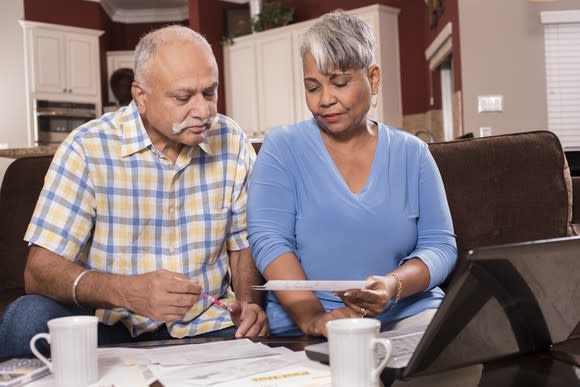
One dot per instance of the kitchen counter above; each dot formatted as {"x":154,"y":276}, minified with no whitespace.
{"x":49,"y":150}
{"x":17,"y":153}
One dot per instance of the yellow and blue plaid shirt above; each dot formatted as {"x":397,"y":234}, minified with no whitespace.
{"x":112,"y":203}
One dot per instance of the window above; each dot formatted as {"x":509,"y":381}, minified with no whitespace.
{"x":562,"y":55}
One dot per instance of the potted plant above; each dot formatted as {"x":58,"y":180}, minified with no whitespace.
{"x":273,"y":14}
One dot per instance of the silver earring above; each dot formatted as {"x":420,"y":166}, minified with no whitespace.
{"x":374,"y":102}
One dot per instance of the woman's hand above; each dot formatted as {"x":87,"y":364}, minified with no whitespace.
{"x":372,"y":300}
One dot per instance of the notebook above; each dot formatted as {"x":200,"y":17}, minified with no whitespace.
{"x":504,"y":300}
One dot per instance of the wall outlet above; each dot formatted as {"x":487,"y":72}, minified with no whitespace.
{"x":485,"y":131}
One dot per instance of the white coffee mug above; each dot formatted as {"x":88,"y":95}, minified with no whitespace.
{"x":73,"y":346}
{"x":352,"y":355}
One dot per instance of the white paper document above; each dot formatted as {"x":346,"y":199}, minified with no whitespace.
{"x":288,"y":369}
{"x":190,"y":354}
{"x":217,"y":373}
{"x":312,"y":285}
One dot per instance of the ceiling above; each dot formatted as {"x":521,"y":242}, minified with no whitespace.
{"x":149,"y":11}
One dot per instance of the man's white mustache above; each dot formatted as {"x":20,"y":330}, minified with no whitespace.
{"x":178,"y":127}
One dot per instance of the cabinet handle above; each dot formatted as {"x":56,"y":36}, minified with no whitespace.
{"x":64,"y":90}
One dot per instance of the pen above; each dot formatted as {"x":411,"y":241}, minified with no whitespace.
{"x":214,"y":300}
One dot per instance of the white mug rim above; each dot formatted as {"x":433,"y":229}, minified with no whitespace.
{"x":72,"y":321}
{"x":353,"y":325}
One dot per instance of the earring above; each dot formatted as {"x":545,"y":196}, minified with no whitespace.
{"x":374,"y":102}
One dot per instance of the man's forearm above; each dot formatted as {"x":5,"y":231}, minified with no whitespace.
{"x":53,"y":276}
{"x":244,"y":275}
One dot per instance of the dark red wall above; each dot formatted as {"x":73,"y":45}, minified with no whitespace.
{"x":415,"y":90}
{"x":450,"y":15}
{"x":207,"y":18}
{"x":124,"y":36}
{"x":76,"y":13}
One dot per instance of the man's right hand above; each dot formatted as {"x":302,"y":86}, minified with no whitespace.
{"x":161,"y":295}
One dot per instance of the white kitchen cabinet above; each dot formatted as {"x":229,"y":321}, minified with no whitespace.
{"x":62,"y":66}
{"x":263,"y":74}
{"x":241,"y":88}
{"x":62,"y":62}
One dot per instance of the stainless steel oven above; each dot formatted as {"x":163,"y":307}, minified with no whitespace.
{"x":55,"y":120}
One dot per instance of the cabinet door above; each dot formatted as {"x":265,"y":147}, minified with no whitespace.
{"x":81,"y":64}
{"x":242,"y":86}
{"x":302,"y":112}
{"x":276,"y":82}
{"x":48,"y":62}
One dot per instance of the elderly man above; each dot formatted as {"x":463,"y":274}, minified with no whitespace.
{"x":142,"y":218}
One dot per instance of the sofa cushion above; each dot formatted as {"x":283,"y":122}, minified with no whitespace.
{"x":505,"y":189}
{"x":21,"y":186}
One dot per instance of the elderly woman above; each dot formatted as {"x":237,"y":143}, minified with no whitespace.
{"x":342,"y":197}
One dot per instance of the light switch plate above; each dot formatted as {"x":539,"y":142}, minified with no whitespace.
{"x":490,"y":103}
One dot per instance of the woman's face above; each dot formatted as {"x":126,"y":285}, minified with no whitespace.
{"x":339,"y":101}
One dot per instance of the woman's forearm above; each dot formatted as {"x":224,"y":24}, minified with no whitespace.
{"x":304,"y":308}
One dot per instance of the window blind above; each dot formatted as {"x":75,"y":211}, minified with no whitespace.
{"x":562,"y":56}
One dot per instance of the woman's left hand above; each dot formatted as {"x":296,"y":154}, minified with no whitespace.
{"x":372,"y":300}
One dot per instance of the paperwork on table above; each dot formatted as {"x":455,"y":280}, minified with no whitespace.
{"x":288,"y":369}
{"x":190,"y":354}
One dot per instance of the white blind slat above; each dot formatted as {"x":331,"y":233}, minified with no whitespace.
{"x":562,"y":55}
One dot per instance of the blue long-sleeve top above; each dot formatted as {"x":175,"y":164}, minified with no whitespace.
{"x":299,"y":202}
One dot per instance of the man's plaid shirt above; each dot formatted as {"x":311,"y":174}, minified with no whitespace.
{"x":112,"y":203}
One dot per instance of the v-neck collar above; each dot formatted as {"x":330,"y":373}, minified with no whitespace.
{"x":377,"y":159}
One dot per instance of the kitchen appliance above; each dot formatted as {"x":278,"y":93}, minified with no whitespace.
{"x":55,"y":119}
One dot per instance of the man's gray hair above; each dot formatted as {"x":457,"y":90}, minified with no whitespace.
{"x":150,"y":43}
{"x":339,"y":40}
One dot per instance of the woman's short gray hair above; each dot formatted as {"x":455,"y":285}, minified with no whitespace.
{"x":150,"y":43}
{"x":339,"y":40}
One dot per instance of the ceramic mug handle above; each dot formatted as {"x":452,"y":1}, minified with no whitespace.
{"x":35,"y":351}
{"x":386,"y":343}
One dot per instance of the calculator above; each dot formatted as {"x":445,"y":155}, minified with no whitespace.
{"x":16,"y":372}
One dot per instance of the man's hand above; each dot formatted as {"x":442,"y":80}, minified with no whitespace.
{"x":249,"y":318}
{"x":161,"y":295}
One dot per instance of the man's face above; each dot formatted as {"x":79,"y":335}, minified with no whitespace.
{"x":179,"y":101}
